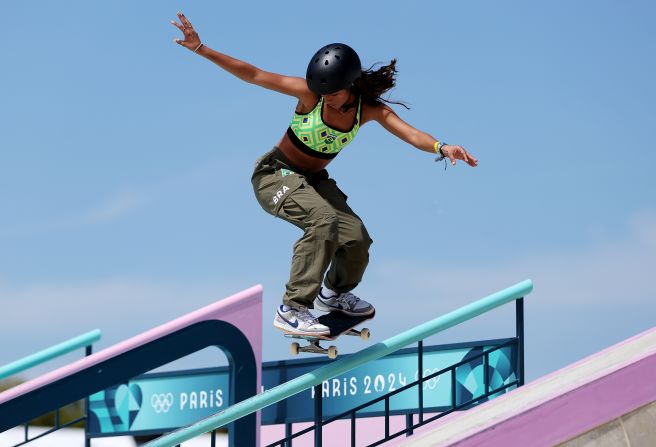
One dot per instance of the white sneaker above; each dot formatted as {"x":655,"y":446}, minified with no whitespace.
{"x":343,"y":302}
{"x":298,"y":321}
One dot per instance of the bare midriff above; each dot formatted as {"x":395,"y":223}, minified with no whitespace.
{"x":300,"y":160}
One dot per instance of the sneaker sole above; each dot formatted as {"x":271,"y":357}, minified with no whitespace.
{"x":286,"y":329}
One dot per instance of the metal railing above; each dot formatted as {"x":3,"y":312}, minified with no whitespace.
{"x":85,"y":341}
{"x":340,"y":366}
{"x":58,"y":426}
{"x":81,"y":341}
{"x":410,"y":427}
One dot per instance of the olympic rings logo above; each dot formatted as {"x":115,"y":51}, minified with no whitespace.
{"x":162,"y":403}
{"x":429,"y":384}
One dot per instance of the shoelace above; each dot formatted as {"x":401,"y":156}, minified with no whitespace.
{"x":349,"y":299}
{"x":304,"y":314}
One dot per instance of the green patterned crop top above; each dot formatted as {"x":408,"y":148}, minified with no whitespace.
{"x":312,"y":136}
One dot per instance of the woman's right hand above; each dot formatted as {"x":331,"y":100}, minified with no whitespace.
{"x":191,"y":40}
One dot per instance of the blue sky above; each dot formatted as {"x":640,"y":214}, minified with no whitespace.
{"x":125,"y":163}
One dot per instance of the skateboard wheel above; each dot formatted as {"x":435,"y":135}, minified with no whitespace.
{"x":364,"y":334}
{"x":332,"y":352}
{"x":295,"y":348}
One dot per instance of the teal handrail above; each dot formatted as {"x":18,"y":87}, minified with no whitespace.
{"x":343,"y":365}
{"x":58,"y":350}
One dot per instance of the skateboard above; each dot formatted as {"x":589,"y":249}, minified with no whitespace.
{"x":339,"y":324}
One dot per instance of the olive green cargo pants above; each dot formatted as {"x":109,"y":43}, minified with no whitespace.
{"x":334,"y":238}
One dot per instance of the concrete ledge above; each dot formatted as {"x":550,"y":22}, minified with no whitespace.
{"x":635,"y":429}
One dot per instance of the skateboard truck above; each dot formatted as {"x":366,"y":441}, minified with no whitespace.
{"x":316,"y":348}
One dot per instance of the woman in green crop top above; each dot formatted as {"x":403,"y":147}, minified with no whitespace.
{"x":335,"y":99}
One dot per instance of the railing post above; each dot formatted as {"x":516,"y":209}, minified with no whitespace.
{"x":454,"y":402}
{"x":486,"y":374}
{"x":519,"y":323}
{"x":420,"y":375}
{"x":318,"y":416}
{"x":288,"y":433}
{"x":387,"y":422}
{"x":87,"y":440}
{"x":408,"y":424}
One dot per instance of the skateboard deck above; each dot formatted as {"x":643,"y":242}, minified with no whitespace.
{"x":339,"y":324}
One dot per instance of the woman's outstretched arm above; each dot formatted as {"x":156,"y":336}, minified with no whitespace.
{"x":289,"y":85}
{"x":417,"y":138}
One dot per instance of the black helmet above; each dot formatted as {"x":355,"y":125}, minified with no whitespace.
{"x":332,"y":68}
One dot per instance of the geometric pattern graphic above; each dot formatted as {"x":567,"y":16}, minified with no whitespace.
{"x":470,"y":377}
{"x":115,"y":409}
{"x":316,"y":135}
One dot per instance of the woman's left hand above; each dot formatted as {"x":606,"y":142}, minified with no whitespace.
{"x":191,"y":40}
{"x":454,"y":153}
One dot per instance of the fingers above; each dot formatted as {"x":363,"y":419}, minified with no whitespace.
{"x":463,"y":155}
{"x":459,"y":153}
{"x":190,"y":35}
{"x":452,"y":153}
{"x":472,"y":161}
{"x":185,"y":22}
{"x":181,"y":28}
{"x":177,"y":25}
{"x":185,"y":25}
{"x":468,"y":158}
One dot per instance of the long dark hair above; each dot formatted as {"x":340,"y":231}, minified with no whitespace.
{"x":372,"y":84}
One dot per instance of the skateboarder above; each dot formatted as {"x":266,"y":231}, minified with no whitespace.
{"x":335,"y":99}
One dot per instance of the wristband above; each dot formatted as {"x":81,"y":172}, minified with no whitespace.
{"x":440,"y":153}
{"x":198,"y":47}
{"x":437,"y":147}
